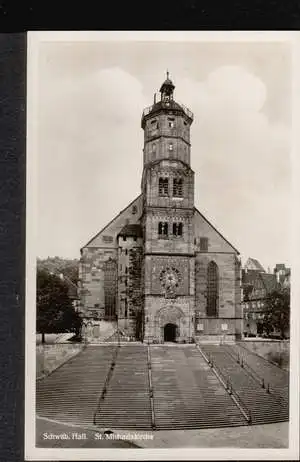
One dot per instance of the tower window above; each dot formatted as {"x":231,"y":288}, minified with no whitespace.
{"x":171,"y":122}
{"x":177,"y":187}
{"x":170,"y":146}
{"x":154,"y":125}
{"x":163,"y":187}
{"x":203,"y":244}
{"x":177,"y":229}
{"x":162,"y":229}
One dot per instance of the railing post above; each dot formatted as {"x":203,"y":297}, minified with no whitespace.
{"x":250,"y":418}
{"x":263,"y":383}
{"x":268,"y":388}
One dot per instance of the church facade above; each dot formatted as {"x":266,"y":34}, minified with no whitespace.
{"x":160,"y":269}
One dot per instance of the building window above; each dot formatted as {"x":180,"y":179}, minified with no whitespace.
{"x":170,"y":146}
{"x":177,"y":229}
{"x":171,"y":122}
{"x":126,"y":251}
{"x":177,"y":187}
{"x":153,"y":147}
{"x":203,"y":244}
{"x":126,"y":308}
{"x":124,"y":238}
{"x":162,"y":229}
{"x":154,"y":124}
{"x":134,"y":210}
{"x":163,"y":187}
{"x":212,"y":289}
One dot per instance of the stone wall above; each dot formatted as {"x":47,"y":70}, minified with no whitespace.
{"x":92,"y":279}
{"x":277,"y":351}
{"x":50,"y":357}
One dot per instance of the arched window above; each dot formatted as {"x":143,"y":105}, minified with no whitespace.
{"x":177,"y":187}
{"x":162,"y":230}
{"x":177,"y":229}
{"x":212,"y":289}
{"x":163,"y":186}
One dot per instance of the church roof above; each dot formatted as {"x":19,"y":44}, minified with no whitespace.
{"x":133,"y":230}
{"x":218,"y":232}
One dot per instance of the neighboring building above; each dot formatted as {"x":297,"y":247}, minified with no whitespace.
{"x":172,"y":275}
{"x":253,"y":265}
{"x":256,"y":285}
{"x":282,"y":274}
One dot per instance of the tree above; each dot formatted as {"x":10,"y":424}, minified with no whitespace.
{"x":55,"y":312}
{"x":277,"y":315}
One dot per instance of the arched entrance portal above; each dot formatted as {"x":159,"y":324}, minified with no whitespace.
{"x":170,"y":332}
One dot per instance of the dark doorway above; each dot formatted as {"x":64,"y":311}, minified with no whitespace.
{"x":170,"y":332}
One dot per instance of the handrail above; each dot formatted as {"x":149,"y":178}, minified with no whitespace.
{"x":237,"y":358}
{"x":228,"y":387}
{"x":107,"y":380}
{"x":269,"y":389}
{"x":186,"y":110}
{"x":151,"y":388}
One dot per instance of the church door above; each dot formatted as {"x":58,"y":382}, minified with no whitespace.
{"x":170,"y":331}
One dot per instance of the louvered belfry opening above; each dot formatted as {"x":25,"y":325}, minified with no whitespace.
{"x":212,"y":289}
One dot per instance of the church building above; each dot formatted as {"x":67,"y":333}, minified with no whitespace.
{"x":160,"y":269}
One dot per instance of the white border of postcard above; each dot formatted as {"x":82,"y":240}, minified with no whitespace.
{"x":39,"y":454}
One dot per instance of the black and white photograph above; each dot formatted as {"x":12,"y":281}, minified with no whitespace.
{"x":160,"y":317}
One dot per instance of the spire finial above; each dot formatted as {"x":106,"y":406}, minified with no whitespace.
{"x":167,"y":74}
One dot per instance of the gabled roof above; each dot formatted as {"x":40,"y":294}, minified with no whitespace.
{"x":255,"y":263}
{"x":218,"y":232}
{"x":111,"y":221}
{"x":133,"y":230}
{"x":269,"y":281}
{"x":249,"y":277}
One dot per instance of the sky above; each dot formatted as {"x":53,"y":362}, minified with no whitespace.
{"x":89,"y":138}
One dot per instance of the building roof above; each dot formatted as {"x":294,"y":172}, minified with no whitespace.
{"x":269,"y":281}
{"x":249,"y":277}
{"x":280,"y":266}
{"x":132,"y":230}
{"x":255,"y":263}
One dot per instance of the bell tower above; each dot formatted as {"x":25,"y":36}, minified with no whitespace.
{"x":167,"y":220}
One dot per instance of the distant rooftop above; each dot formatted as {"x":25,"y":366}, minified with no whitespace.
{"x":253,"y":264}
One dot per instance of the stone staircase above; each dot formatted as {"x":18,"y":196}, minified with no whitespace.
{"x":186,"y":392}
{"x":71,"y":393}
{"x":126,"y":403}
{"x":141,"y":387}
{"x":277,"y":378}
{"x":264,"y":407}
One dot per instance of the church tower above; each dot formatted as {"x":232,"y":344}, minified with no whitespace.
{"x":167,"y":220}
